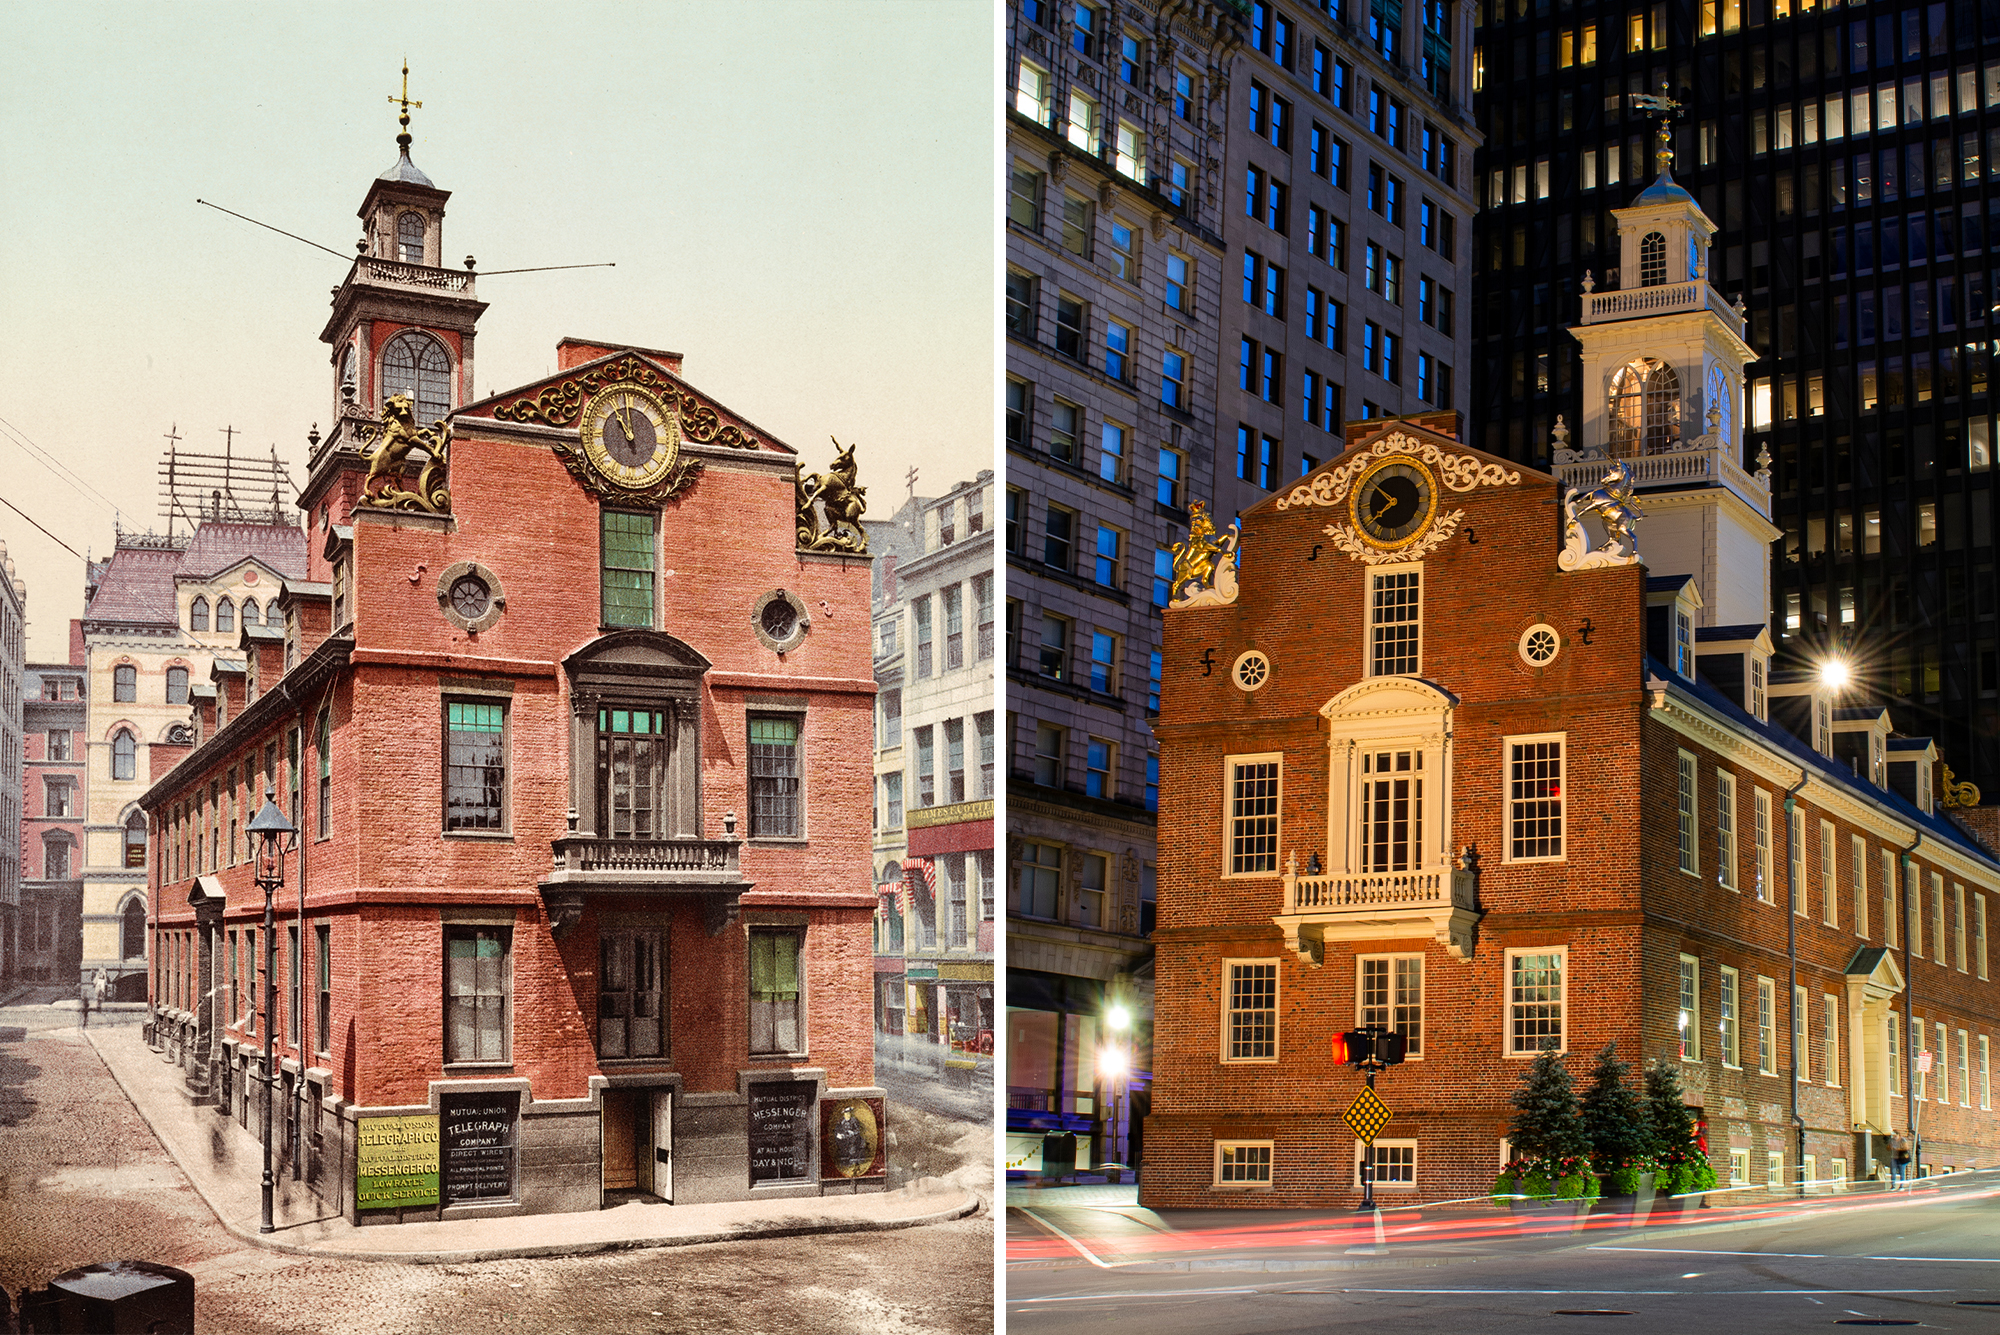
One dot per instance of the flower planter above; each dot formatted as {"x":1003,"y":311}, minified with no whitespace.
{"x":1670,"y":1210}
{"x":1550,"y":1216}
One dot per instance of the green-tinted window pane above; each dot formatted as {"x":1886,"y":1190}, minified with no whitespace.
{"x":774,"y":731}
{"x":628,"y":569}
{"x":475,"y":765}
{"x":466,"y":717}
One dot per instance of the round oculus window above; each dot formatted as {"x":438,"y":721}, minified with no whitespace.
{"x":470,"y":597}
{"x":1252,"y":670}
{"x":780,"y":619}
{"x":1539,"y":645}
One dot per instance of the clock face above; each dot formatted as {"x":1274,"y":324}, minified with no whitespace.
{"x":1393,"y":503}
{"x":630,"y":436}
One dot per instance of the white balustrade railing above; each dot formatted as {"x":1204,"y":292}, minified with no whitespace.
{"x":415,"y":275}
{"x":1426,"y":889}
{"x":1662,"y":299}
{"x":1703,"y":464}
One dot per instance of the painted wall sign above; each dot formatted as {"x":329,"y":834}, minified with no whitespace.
{"x":781,"y":1130}
{"x":850,"y":1138}
{"x":477,"y":1132}
{"x":396,"y":1162}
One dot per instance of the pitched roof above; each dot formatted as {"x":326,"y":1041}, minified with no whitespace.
{"x":218,"y":545}
{"x":138,"y":587}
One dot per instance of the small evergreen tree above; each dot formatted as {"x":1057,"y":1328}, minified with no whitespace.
{"x":1683,"y":1168}
{"x":1545,"y":1124}
{"x":1615,"y":1123}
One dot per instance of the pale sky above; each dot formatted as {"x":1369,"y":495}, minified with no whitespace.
{"x":797,"y":196}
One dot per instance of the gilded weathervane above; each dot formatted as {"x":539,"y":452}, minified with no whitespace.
{"x":837,"y":495}
{"x":393,"y":440}
{"x":1205,"y":565}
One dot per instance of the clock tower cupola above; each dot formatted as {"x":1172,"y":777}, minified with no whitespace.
{"x":402,"y":322}
{"x":1663,"y":359}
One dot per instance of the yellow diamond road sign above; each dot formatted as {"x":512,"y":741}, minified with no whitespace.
{"x":1367,"y":1115}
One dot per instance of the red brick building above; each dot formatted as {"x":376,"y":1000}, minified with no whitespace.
{"x":573,"y":711}
{"x":1430,"y":765}
{"x":54,"y":801}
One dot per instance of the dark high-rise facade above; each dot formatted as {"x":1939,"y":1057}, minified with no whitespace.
{"x":1850,"y":157}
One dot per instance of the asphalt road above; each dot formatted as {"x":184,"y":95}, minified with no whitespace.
{"x":1932,"y":1258}
{"x":82,"y":1179}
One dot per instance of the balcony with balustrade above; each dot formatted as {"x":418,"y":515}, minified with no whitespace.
{"x":621,"y":867}
{"x":1440,"y":902}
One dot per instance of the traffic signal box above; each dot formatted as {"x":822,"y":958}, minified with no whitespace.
{"x":1370,"y":1046}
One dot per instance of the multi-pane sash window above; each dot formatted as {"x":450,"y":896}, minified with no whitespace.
{"x":1889,"y":928}
{"x":1801,"y":1050}
{"x":777,"y":991}
{"x":631,"y":991}
{"x":628,"y":569}
{"x":1767,"y":1027}
{"x":1895,"y":1053}
{"x":323,"y":972}
{"x":1236,"y":1162}
{"x":478,"y":988}
{"x":1391,"y":995}
{"x":1394,"y":1162}
{"x":1857,"y":871}
{"x":1941,"y":1063}
{"x":1036,"y":877}
{"x":634,"y":773}
{"x":1725,"y":829}
{"x":1795,"y":856}
{"x":1688,"y":859}
{"x":1937,"y":918}
{"x":1726,"y":1018}
{"x":983,"y":726}
{"x":954,"y":760}
{"x":475,"y":765}
{"x":920,"y":612}
{"x":1535,"y":799}
{"x":1831,"y":1040}
{"x":954,"y":626}
{"x":1979,"y":935}
{"x":926,"y":765}
{"x":1765,"y":890}
{"x":1395,"y":623}
{"x":1829,"y":867}
{"x":1534,"y":1000}
{"x":982,"y":597}
{"x":775,"y":810}
{"x":1964,"y":1069}
{"x":1958,"y":925}
{"x":1392,"y":810}
{"x":1252,"y":1024}
{"x":1689,"y":1020}
{"x":322,"y":790}
{"x":1253,"y":816}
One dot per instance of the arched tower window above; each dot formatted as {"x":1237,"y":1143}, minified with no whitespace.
{"x":410,"y":238}
{"x":132,"y":931}
{"x":135,"y":839}
{"x":225,"y":614}
{"x":198,"y":614}
{"x":124,"y":756}
{"x":1723,"y":401}
{"x":1652,"y":260}
{"x":251,"y":616}
{"x":177,"y":685}
{"x":1645,"y":409}
{"x":416,"y":364}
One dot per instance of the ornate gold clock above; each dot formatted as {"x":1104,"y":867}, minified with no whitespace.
{"x":1393,"y":503}
{"x":630,"y":438}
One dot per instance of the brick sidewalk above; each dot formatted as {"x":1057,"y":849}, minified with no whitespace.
{"x":224,"y":1163}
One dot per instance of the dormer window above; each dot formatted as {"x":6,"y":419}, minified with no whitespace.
{"x":1924,"y":786}
{"x":410,"y":238}
{"x":416,"y":364}
{"x":1822,"y":708}
{"x":1652,"y":260}
{"x":1683,"y":640}
{"x":1645,"y":409}
{"x":1757,"y":707}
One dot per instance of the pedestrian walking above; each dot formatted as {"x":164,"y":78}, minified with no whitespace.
{"x":1899,"y":1159}
{"x":83,"y":1000}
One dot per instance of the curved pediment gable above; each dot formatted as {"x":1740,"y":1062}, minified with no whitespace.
{"x":636,"y":653}
{"x":558,"y":401}
{"x":1388,"y":697}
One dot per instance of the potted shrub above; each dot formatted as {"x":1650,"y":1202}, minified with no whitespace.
{"x":1683,"y":1172}
{"x":1621,"y":1139}
{"x":1550,"y":1177}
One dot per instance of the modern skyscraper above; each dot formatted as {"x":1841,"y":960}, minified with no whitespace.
{"x":1347,"y":233}
{"x":1116,"y":121}
{"x":1851,"y":161}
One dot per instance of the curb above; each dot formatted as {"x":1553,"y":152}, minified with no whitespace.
{"x":270,"y":1241}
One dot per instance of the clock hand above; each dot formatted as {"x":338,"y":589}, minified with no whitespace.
{"x":625,"y":415}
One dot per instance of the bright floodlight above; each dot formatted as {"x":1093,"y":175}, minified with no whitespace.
{"x":1111,"y":1062}
{"x":1833,"y":674}
{"x":1118,"y":1017}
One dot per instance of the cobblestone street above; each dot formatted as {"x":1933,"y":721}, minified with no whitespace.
{"x":82,"y":1179}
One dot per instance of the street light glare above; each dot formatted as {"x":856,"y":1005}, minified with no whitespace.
{"x":1119,"y":1018}
{"x":1834,"y":674}
{"x":1111,"y":1062}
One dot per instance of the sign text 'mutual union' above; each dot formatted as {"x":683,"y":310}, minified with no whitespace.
{"x":396,"y":1162}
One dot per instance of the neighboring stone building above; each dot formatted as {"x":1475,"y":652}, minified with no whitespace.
{"x":55,"y":794}
{"x":1348,"y":289}
{"x":935,"y":774}
{"x":158,"y":613}
{"x":1115,"y":128}
{"x":1467,"y":766}
{"x":13,"y":758}
{"x":599,"y":616}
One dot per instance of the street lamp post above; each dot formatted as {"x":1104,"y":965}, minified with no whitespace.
{"x":275,"y":837}
{"x":1114,"y":1065}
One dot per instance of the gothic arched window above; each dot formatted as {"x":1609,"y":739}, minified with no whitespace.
{"x":1723,"y":401}
{"x":225,"y":614}
{"x":415,"y":364}
{"x":1645,"y":409}
{"x":135,"y":840}
{"x":1652,"y":260}
{"x":132,"y":931}
{"x":124,"y":756}
{"x":410,"y":238}
{"x":198,"y":614}
{"x":251,"y":616}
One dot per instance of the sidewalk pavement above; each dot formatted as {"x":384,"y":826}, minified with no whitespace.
{"x":224,"y":1164}
{"x":1103,"y":1225}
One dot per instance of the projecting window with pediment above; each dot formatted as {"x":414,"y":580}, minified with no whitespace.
{"x":637,"y":705}
{"x":1392,"y":810}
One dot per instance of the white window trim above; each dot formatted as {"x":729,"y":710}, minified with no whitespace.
{"x":1858,"y":876}
{"x":1801,"y":1035}
{"x":1739,"y":1166}
{"x":1694,"y":1047}
{"x":1795,"y":861}
{"x":1687,"y":804}
{"x":1767,"y":1026}
{"x":1507,"y":745}
{"x":1729,"y":1009}
{"x":1764,"y":834}
{"x":1979,"y":934}
{"x":1277,"y":1012}
{"x":1985,"y":1072}
{"x":1965,"y":1068}
{"x":1397,"y":1142}
{"x":1829,"y":874}
{"x":1507,"y":1001}
{"x":1417,"y":1054}
{"x":1958,"y":926}
{"x":1368,"y":615}
{"x":1254,"y":1184}
{"x":1229,"y":764}
{"x":1832,"y":1017}
{"x":1725,"y":829}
